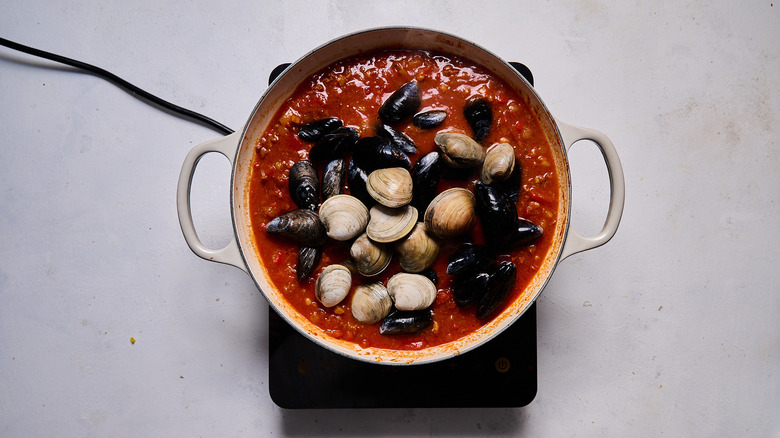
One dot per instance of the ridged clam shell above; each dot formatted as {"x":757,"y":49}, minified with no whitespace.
{"x":451,"y":213}
{"x":391,"y":187}
{"x":418,"y":250}
{"x":333,"y":285}
{"x":344,"y":217}
{"x":499,"y":163}
{"x":370,"y":257}
{"x":459,"y":150}
{"x":411,"y":291}
{"x":390,"y":224}
{"x":370,"y":303}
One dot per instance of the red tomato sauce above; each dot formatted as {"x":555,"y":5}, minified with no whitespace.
{"x":353,"y":90}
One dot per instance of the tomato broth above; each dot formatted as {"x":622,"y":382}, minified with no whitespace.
{"x":353,"y":90}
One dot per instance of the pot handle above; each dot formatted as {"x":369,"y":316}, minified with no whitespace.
{"x":230,"y":254}
{"x":617,"y":188}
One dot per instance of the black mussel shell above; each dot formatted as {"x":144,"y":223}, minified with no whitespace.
{"x":525,"y":233}
{"x":315,"y":130}
{"x":302,"y":226}
{"x":372,"y":153}
{"x":406,"y":322}
{"x":356,"y":178}
{"x":469,"y":258}
{"x":479,"y":115}
{"x":497,"y":214}
{"x":403,"y":103}
{"x":332,"y":178}
{"x":399,"y":139}
{"x":334,"y":144}
{"x":468,"y":288}
{"x":426,"y":174}
{"x":308,"y":257}
{"x":500,"y":284}
{"x":304,"y":185}
{"x":429,"y":119}
{"x":510,"y":187}
{"x":430,"y":273}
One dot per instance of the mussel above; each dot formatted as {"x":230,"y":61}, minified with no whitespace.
{"x":403,"y":103}
{"x":333,"y":285}
{"x":501,"y":282}
{"x":468,"y":258}
{"x":466,"y":289}
{"x":334,"y":144}
{"x":501,"y":226}
{"x":370,"y":257}
{"x":510,"y":187}
{"x":451,"y":213}
{"x":459,"y":150}
{"x":370,"y":303}
{"x":390,"y":224}
{"x":401,"y":322}
{"x":429,"y":119}
{"x":372,"y":153}
{"x":308,"y":257}
{"x":344,"y":217}
{"x":417,"y":251}
{"x":304,"y":185}
{"x":315,"y":130}
{"x":356,"y":178}
{"x":302,"y":226}
{"x":425,"y":179}
{"x":411,"y":291}
{"x":499,"y":163}
{"x":391,"y":187}
{"x":332,"y":178}
{"x":398,"y":138}
{"x":479,"y":115}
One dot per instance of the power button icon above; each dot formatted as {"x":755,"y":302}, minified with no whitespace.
{"x":502,"y":364}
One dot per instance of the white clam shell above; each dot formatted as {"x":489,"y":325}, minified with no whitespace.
{"x":499,"y":163}
{"x":390,"y":224}
{"x":451,"y":213}
{"x":411,"y":291}
{"x":370,"y":257}
{"x":333,"y":285}
{"x":391,"y":187}
{"x":459,"y":150}
{"x":344,"y":217}
{"x":370,"y":303}
{"x":417,"y":251}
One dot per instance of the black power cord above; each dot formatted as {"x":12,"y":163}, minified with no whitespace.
{"x":116,"y":80}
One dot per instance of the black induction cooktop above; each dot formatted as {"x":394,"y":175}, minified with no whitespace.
{"x":499,"y":373}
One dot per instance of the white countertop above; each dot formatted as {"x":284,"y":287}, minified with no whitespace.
{"x":672,"y":328}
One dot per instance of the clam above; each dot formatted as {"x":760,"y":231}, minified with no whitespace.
{"x":479,"y":115}
{"x":451,"y":213}
{"x":411,"y":291}
{"x":343,"y":216}
{"x":308,"y":257}
{"x":315,"y":130}
{"x":333,"y":285}
{"x":459,"y":150}
{"x":332,"y":177}
{"x":403,"y":103}
{"x":304,"y":185}
{"x":391,"y":187}
{"x":390,"y":224}
{"x":499,"y":163}
{"x":370,"y":257}
{"x":429,"y":119}
{"x":418,"y":250}
{"x":302,"y":226}
{"x":406,"y":323}
{"x":370,"y":303}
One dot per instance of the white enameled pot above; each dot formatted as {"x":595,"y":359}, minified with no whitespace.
{"x":239,"y":148}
